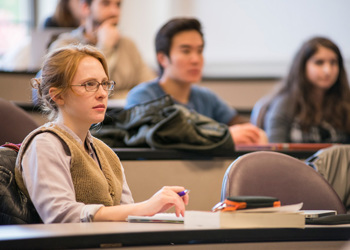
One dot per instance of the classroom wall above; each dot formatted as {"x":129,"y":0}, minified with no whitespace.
{"x":202,"y":177}
{"x":249,"y":43}
{"x":244,"y":38}
{"x":239,"y":93}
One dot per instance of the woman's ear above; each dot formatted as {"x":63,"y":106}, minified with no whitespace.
{"x":56,"y":96}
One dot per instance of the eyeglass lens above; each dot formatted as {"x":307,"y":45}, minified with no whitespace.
{"x":94,"y":85}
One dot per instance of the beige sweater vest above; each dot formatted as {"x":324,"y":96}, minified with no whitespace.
{"x":93,"y":184}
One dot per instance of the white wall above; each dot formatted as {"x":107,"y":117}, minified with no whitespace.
{"x":46,"y":9}
{"x":141,"y":19}
{"x":244,"y":38}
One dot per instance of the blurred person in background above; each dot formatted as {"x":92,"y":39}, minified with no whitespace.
{"x":100,"y":29}
{"x":179,"y":46}
{"x":312,"y":105}
{"x":68,"y":13}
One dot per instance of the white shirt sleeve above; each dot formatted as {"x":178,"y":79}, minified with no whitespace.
{"x":126,"y":193}
{"x":46,"y":174}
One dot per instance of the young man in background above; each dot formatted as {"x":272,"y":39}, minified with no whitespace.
{"x":179,"y":47}
{"x":125,"y":64}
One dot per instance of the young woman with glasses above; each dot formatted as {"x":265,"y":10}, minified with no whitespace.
{"x":69,"y":175}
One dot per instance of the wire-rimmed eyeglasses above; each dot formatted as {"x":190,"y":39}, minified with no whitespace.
{"x":93,"y":85}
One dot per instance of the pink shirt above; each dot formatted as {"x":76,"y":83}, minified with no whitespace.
{"x":46,"y":174}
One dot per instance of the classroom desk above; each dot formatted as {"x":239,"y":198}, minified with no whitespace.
{"x":176,"y":236}
{"x":147,"y":170}
{"x":297,"y":150}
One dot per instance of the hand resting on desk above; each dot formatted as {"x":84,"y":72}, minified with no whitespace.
{"x":247,"y":133}
{"x":161,"y":201}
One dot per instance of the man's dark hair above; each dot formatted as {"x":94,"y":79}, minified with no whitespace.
{"x":170,"y":29}
{"x":88,"y":2}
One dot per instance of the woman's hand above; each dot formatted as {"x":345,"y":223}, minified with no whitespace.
{"x":166,"y":198}
{"x":161,"y":201}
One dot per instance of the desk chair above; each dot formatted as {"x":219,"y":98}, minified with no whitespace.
{"x":15,"y":207}
{"x":15,"y":123}
{"x":333,"y":164}
{"x":275,"y":174}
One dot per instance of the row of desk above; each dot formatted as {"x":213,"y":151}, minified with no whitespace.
{"x":297,"y":150}
{"x":173,"y":236}
{"x":147,"y":170}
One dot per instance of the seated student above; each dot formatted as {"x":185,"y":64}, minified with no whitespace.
{"x":69,"y":175}
{"x":68,"y":13}
{"x":26,"y":55}
{"x":312,"y":105}
{"x":125,"y":63}
{"x":179,"y":47}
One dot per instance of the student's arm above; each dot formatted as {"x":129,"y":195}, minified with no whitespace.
{"x":278,"y":120}
{"x":207,"y":103}
{"x":247,"y":133}
{"x":107,"y":35}
{"x":143,"y":72}
{"x":126,"y":197}
{"x":140,"y":94}
{"x":238,"y":119}
{"x":243,"y":132}
{"x":164,"y":199}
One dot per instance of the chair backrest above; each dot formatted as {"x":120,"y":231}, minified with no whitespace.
{"x":15,"y":123}
{"x":282,"y":176}
{"x":15,"y":207}
{"x":259,"y":110}
{"x":333,"y":164}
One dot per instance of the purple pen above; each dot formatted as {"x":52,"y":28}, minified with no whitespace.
{"x":182,"y":193}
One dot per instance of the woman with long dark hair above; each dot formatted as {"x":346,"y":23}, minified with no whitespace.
{"x":312,"y":105}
